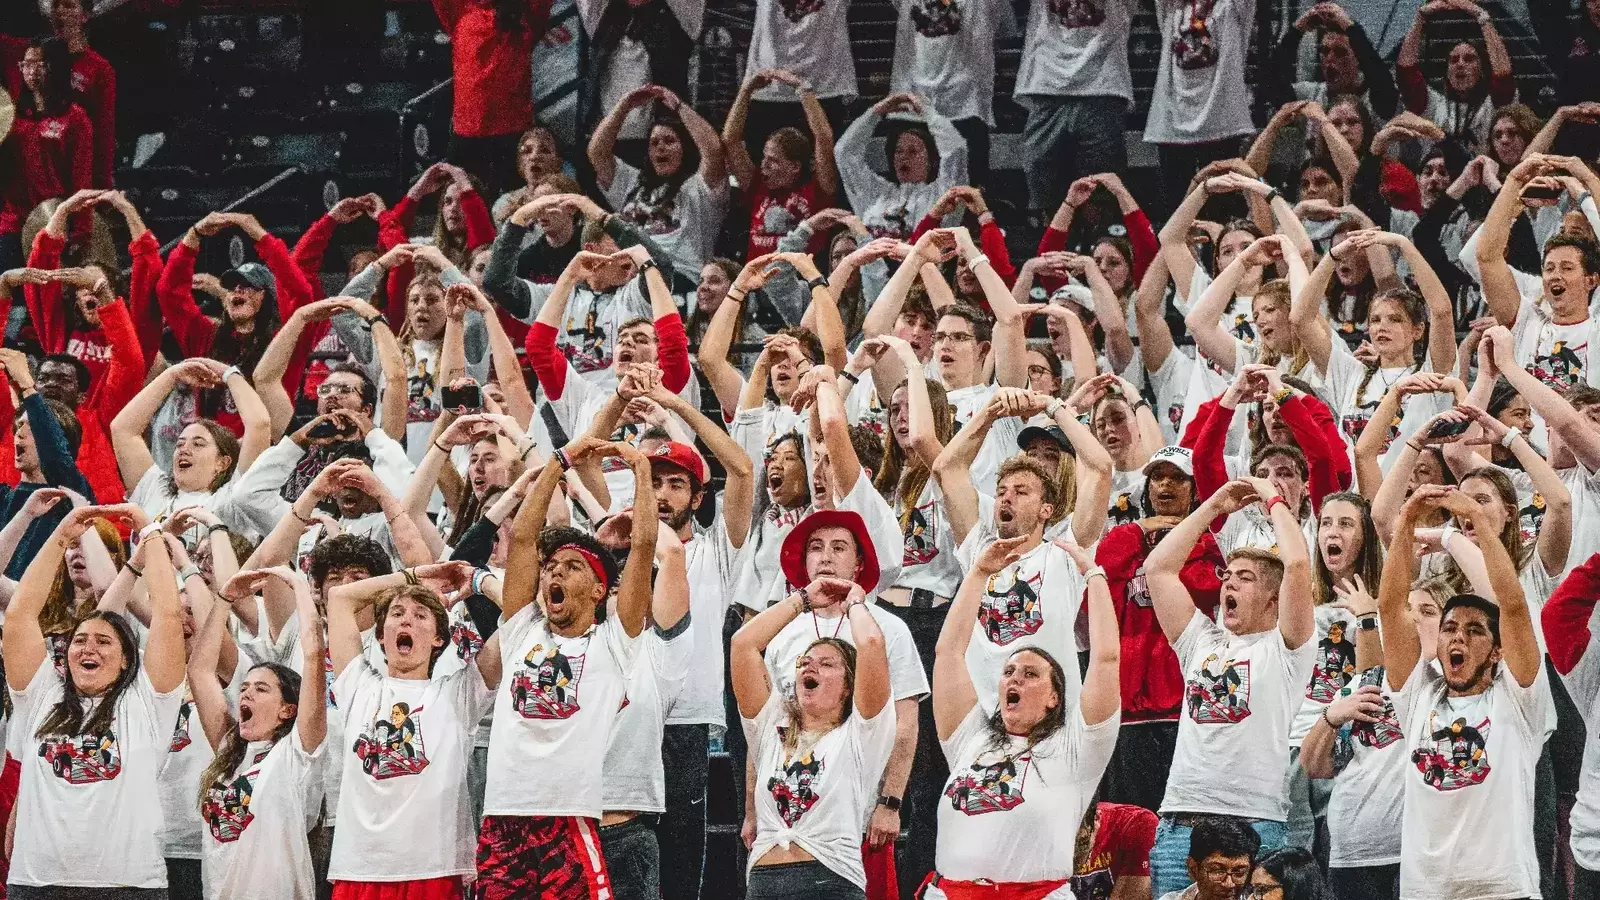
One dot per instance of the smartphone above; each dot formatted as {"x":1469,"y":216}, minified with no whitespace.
{"x":469,"y":397}
{"x":1542,"y":192}
{"x":1449,"y":429}
{"x":327,"y":428}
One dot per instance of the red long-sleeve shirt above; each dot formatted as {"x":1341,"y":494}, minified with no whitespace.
{"x":308,"y":253}
{"x":97,"y":347}
{"x":672,"y":356}
{"x":493,"y":80}
{"x":394,"y":229}
{"x":94,"y":87}
{"x":143,"y":304}
{"x":48,"y":156}
{"x":1152,"y":681}
{"x":1314,"y":432}
{"x":991,"y":241}
{"x":1140,"y":235}
{"x":1567,"y":614}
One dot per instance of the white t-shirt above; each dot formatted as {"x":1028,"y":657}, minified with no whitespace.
{"x":1363,"y":819}
{"x":1033,"y":602}
{"x":404,"y":813}
{"x":1558,"y":355}
{"x":256,"y":822}
{"x":710,"y":559}
{"x":810,"y":38}
{"x":1200,"y":93}
{"x":554,"y":713}
{"x":154,"y":495}
{"x":889,"y":208}
{"x":1333,"y":670}
{"x":684,"y":225}
{"x":588,"y":333}
{"x":1127,"y":490}
{"x":944,"y":50}
{"x":635,"y":780}
{"x":1584,"y":486}
{"x":1076,"y":48}
{"x":188,"y":755}
{"x":1011,"y":813}
{"x":1347,"y":376}
{"x":907,"y":679}
{"x":819,"y":800}
{"x":1241,"y":693}
{"x":929,"y":558}
{"x":998,"y":446}
{"x":96,"y":784}
{"x":1171,"y":385}
{"x":1473,"y":761}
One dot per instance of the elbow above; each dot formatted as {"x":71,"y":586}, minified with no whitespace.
{"x":739,"y":467}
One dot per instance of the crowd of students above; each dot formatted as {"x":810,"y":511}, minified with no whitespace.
{"x":1252,"y":552}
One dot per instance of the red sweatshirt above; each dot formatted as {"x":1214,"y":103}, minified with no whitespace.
{"x":991,"y":240}
{"x":1152,"y":681}
{"x":1140,"y":235}
{"x":123,"y":377}
{"x":1566,"y":617}
{"x":51,"y":156}
{"x":493,"y":79}
{"x":394,"y":229}
{"x":143,"y":304}
{"x":1414,"y":89}
{"x":1314,"y":433}
{"x":548,"y":362}
{"x":94,"y":87}
{"x":308,"y":253}
{"x":47,"y":308}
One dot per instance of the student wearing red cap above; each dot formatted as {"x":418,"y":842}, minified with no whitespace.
{"x":820,"y":748}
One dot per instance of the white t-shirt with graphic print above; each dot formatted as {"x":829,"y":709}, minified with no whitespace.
{"x":1200,"y":94}
{"x":944,"y":50}
{"x":907,"y":679}
{"x":1011,"y":814}
{"x":1333,"y":669}
{"x":684,"y":225}
{"x":818,"y":800}
{"x":1363,"y":819}
{"x":1076,"y":48}
{"x":810,"y":38}
{"x":635,"y":780}
{"x":1472,"y":763}
{"x":1240,"y":697}
{"x":1347,"y":377}
{"x":256,"y":823}
{"x":929,"y":560}
{"x":554,"y":712}
{"x":404,"y":813}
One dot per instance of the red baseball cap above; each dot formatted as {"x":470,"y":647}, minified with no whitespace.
{"x":793,"y":553}
{"x":684,"y":457}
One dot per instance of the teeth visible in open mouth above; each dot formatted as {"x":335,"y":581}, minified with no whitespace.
{"x":403,"y":643}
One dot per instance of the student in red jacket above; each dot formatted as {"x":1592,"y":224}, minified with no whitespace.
{"x":94,"y":83}
{"x":462,"y":226}
{"x":491,"y":43}
{"x":49,"y":152}
{"x":260,"y":296}
{"x":322,"y":344}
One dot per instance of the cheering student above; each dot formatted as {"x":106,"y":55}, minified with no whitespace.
{"x":1022,"y":776}
{"x":266,"y":779}
{"x":96,"y":731}
{"x":820,"y":749}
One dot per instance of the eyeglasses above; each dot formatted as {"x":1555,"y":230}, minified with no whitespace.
{"x":1039,"y":371}
{"x":327,"y":389}
{"x":956,"y":337}
{"x":1215,"y":872}
{"x":1261,"y":892}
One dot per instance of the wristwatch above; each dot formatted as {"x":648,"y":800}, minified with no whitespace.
{"x":888,"y":802}
{"x":1367,"y":623}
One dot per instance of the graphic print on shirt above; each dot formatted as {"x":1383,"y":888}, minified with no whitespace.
{"x":1078,"y":13}
{"x":180,"y":733}
{"x":795,"y":10}
{"x":992,"y":787}
{"x":653,"y":209}
{"x":1530,"y":516}
{"x":1455,"y":755}
{"x":1355,"y":422}
{"x":226,"y":808}
{"x":1219,"y":692}
{"x":1124,"y":508}
{"x":464,"y":635}
{"x":793,"y":786}
{"x":419,"y":394}
{"x":1194,"y":47}
{"x":392,"y":747}
{"x":84,"y":759}
{"x":586,"y":345}
{"x":1335,"y":666}
{"x":936,"y":18}
{"x":546,"y":686}
{"x":922,"y":545}
{"x":1380,"y":734}
{"x":1560,"y":367}
{"x":1010,"y":608}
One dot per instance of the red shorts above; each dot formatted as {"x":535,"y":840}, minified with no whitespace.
{"x":540,"y":858}
{"x":426,"y":889}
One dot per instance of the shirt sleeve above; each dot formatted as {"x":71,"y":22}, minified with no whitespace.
{"x":1134,"y":838}
{"x":175,"y":293}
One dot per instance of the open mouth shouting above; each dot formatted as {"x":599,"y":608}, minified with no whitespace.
{"x":1013,"y":699}
{"x":404,"y":642}
{"x":555,"y":598}
{"x":1333,"y":553}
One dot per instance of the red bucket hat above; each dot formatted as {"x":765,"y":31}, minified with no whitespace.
{"x":684,"y":457}
{"x":793,"y":554}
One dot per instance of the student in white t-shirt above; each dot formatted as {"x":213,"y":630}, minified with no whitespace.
{"x":1245,"y":676}
{"x":1201,"y":106}
{"x":1555,"y":336}
{"x":681,"y":199}
{"x":925,"y":159}
{"x":264,"y":785}
{"x":94,"y":737}
{"x":560,"y":669}
{"x":1474,"y":728}
{"x":821,"y":748}
{"x":1021,"y":776}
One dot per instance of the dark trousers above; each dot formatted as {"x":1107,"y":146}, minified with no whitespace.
{"x":1180,"y":162}
{"x":767,"y":116}
{"x":12,"y":257}
{"x":183,"y":879}
{"x":800,"y":881}
{"x":919,"y":813}
{"x":1365,"y":883}
{"x":976,"y":131}
{"x":321,"y":840}
{"x":681,"y":831}
{"x":492,"y":160}
{"x":1138,"y":770}
{"x":1067,"y":138}
{"x":1585,"y":884}
{"x":633,"y":860}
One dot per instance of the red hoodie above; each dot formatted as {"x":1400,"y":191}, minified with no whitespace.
{"x":1567,"y":615}
{"x":1140,"y":235}
{"x":47,"y":309}
{"x":50,"y":156}
{"x":493,"y":76}
{"x":672,"y":356}
{"x":1315,"y":434}
{"x":394,"y":229}
{"x":1152,"y":681}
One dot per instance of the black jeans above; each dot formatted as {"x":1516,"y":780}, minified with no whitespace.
{"x":800,"y":881}
{"x":1365,"y":883}
{"x":976,"y":131}
{"x":183,"y":879}
{"x":1138,"y":770}
{"x":919,"y":814}
{"x":681,"y":831}
{"x":1585,"y":884}
{"x":633,"y":860}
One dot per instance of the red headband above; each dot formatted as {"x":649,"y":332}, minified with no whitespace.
{"x":589,"y":557}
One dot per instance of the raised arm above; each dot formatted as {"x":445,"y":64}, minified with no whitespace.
{"x":1205,"y":315}
{"x":22,"y":641}
{"x":872,"y":692}
{"x":1101,"y":697}
{"x":1173,"y":604}
{"x":843,"y":463}
{"x":738,"y":491}
{"x":128,"y":428}
{"x":1500,"y":291}
{"x":603,"y":146}
{"x":210,"y":701}
{"x":715,"y":344}
{"x":1306,"y":316}
{"x":740,"y":166}
{"x":1010,"y":341}
{"x":311,"y":717}
{"x":1296,"y":618}
{"x":746,"y":669}
{"x":633,"y":586}
{"x":953,"y":469}
{"x":522,"y":581}
{"x":953,"y":693}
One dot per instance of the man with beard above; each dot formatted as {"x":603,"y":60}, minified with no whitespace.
{"x":1491,"y":677}
{"x":1550,"y":316}
{"x":1250,"y":670}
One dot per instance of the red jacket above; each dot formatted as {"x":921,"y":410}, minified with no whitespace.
{"x":991,"y":240}
{"x":1314,"y":433}
{"x":94,"y":87}
{"x":493,"y":69}
{"x":394,"y":229}
{"x":308,"y":253}
{"x":1152,"y":681}
{"x":1566,"y":616}
{"x":143,"y":304}
{"x":51,"y":156}
{"x":672,"y":355}
{"x":1140,"y":235}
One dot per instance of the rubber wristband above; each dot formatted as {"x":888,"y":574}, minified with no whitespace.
{"x":374,"y":320}
{"x":231,"y":371}
{"x":1510,"y":438}
{"x":1275,"y":501}
{"x":410,"y":576}
{"x":647,"y":265}
{"x":564,"y":459}
{"x":1271,"y":196}
{"x":850,"y":376}
{"x":738,"y":299}
{"x":478,"y":577}
{"x":137,"y":572}
{"x":216,"y":528}
{"x":1094,"y":572}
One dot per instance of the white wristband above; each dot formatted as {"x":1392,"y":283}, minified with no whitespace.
{"x":1445,"y":534}
{"x":980,"y":258}
{"x":152,"y":528}
{"x":1510,"y":438}
{"x":231,"y":371}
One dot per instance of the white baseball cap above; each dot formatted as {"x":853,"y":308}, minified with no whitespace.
{"x":1177,"y":456}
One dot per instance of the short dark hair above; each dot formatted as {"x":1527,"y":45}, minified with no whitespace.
{"x":1588,"y":250}
{"x":1581,"y":395}
{"x":78,"y":368}
{"x":982,"y":331}
{"x":349,"y":551}
{"x":357,"y":450}
{"x":1503,"y":395}
{"x":1473,"y":601}
{"x":1294,"y":453}
{"x":554,"y":538}
{"x":1050,"y":492}
{"x":1223,"y":836}
{"x":869,"y":451}
{"x":369,"y":391}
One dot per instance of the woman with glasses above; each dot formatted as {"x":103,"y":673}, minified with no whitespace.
{"x":1287,"y":874}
